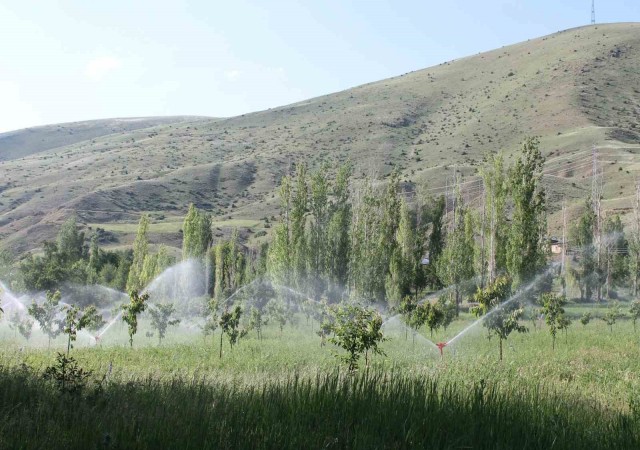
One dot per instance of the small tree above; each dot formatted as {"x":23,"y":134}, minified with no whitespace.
{"x":161,"y":318}
{"x":132,"y":310}
{"x":22,"y":325}
{"x":77,"y":320}
{"x":256,"y":321}
{"x":407,"y":308}
{"x":212,"y":318}
{"x":501,"y":317}
{"x":357,"y":330}
{"x":277,"y":312}
{"x":552,"y":308}
{"x":46,"y":313}
{"x":448,"y":309}
{"x":586,"y":318}
{"x":634,"y":311}
{"x":436,"y":316}
{"x":230,"y":323}
{"x":612,"y":315}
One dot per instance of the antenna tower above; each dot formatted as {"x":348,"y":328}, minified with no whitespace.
{"x":593,"y":12}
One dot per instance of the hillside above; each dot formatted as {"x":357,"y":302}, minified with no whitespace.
{"x":575,"y":89}
{"x":20,"y":143}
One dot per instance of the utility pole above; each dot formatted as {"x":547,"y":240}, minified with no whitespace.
{"x":596,"y":195}
{"x":564,"y":247}
{"x":482,"y":258}
{"x":593,"y":12}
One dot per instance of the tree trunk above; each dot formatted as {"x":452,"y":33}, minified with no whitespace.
{"x":500,"y":340}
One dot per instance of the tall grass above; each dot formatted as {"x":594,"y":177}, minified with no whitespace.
{"x":370,"y":410}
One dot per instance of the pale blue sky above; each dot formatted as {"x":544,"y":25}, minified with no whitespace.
{"x":64,"y":61}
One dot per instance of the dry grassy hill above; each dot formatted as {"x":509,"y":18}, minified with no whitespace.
{"x":575,"y":89}
{"x":20,"y":143}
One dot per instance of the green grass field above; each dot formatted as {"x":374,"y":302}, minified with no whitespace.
{"x":286,"y":391}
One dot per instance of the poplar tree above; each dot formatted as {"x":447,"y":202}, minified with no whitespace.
{"x":367,"y":269}
{"x":455,"y":266}
{"x":402,"y":267}
{"x":140,"y":252}
{"x":339,"y":242}
{"x":279,"y":254}
{"x":436,"y":241}
{"x":299,"y":246}
{"x":318,"y":240}
{"x":196,"y":233}
{"x":495,"y":231}
{"x":526,"y":247}
{"x":585,"y":271}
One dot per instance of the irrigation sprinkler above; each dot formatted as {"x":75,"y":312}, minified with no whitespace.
{"x":440,"y":346}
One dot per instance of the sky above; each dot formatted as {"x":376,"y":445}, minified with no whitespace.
{"x":63,"y":61}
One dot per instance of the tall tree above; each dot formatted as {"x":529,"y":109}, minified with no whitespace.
{"x":299,"y":245}
{"x":279,"y":261}
{"x":436,"y":241}
{"x":455,"y":266}
{"x":584,"y":271}
{"x":318,"y":240}
{"x":196,"y":233}
{"x":494,"y":229}
{"x":526,"y":247}
{"x":403,"y":264}
{"x":367,"y":267}
{"x":339,"y":242}
{"x":140,"y":252}
{"x":70,"y":241}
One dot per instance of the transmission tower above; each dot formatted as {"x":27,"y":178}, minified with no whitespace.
{"x":593,"y":11}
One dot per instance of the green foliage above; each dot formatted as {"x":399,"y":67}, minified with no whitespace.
{"x":586,"y":318}
{"x":230,"y":265}
{"x":455,"y":266}
{"x":501,"y":316}
{"x":585,"y":272}
{"x":614,"y":312}
{"x":526,"y":247}
{"x":46,"y":313}
{"x":277,"y":312}
{"x":67,"y":375}
{"x":135,"y":280}
{"x":552,"y":308}
{"x":496,"y":232}
{"x":130,"y":312}
{"x":196,"y":233}
{"x":357,"y":330}
{"x":77,"y":320}
{"x":230,"y":325}
{"x":211,"y":314}
{"x":23,"y":325}
{"x":256,"y":321}
{"x":161,"y":314}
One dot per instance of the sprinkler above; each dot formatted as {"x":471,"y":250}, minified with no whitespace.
{"x":440,"y":346}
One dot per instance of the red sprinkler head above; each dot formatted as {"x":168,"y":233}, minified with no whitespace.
{"x":440,"y":346}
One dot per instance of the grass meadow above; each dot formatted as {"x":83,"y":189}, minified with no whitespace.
{"x":288,"y":391}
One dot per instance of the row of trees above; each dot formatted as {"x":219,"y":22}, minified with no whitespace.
{"x":368,"y":243}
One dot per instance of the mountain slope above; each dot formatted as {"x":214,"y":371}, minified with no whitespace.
{"x":575,"y":89}
{"x":20,"y":143}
